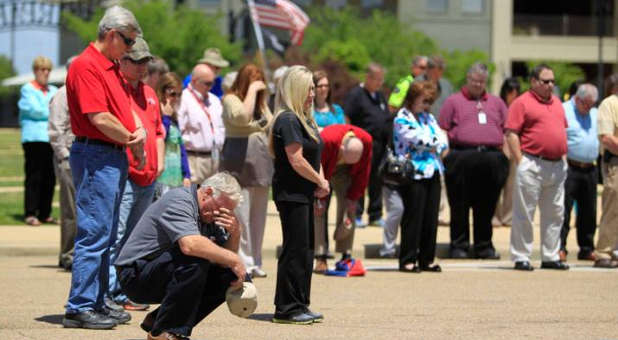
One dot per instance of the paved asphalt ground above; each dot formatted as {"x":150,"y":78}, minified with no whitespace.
{"x":470,"y":299}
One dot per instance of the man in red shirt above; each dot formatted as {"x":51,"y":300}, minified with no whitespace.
{"x":104,"y":125}
{"x":346,"y":162}
{"x":536,"y":135}
{"x":139,"y":189}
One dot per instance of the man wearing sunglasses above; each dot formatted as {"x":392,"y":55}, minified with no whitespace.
{"x":201,"y":125}
{"x":476,"y":167}
{"x":104,"y":126}
{"x":536,"y":134}
{"x":139,"y":188}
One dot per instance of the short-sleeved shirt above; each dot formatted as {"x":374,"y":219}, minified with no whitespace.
{"x":473,"y":122}
{"x":173,"y":216}
{"x":608,"y":116}
{"x":540,"y":125}
{"x":582,"y":136}
{"x":400,"y":91}
{"x":94,"y":84}
{"x":287,"y":184}
{"x":145,"y":103}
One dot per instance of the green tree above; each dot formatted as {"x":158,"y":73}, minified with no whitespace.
{"x":6,"y":67}
{"x":178,"y":35}
{"x":458,"y":62}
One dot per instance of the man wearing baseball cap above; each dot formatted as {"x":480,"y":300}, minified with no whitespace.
{"x":139,"y":189}
{"x":214,"y":60}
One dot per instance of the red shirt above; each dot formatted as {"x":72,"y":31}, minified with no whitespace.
{"x":94,"y":84}
{"x":541,"y":125}
{"x":145,"y":103}
{"x":331,"y":137}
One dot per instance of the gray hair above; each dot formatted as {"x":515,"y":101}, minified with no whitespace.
{"x":118,"y":18}
{"x":223,"y":182}
{"x":436,"y":62}
{"x":418,"y":59}
{"x":478,"y":68}
{"x":587,"y":91}
{"x":157,"y":65}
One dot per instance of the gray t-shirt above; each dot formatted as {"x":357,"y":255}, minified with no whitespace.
{"x":172,"y":217}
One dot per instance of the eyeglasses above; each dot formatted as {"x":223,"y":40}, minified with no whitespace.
{"x":547,"y":81}
{"x":172,"y":93}
{"x":322,"y":86}
{"x":44,"y":69}
{"x":127,"y":41}
{"x":428,"y":102}
{"x":207,"y":83}
{"x":138,"y":62}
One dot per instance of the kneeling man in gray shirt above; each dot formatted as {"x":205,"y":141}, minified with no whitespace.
{"x":183,"y":255}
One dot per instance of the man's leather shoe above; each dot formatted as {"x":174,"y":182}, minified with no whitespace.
{"x":295,"y":319}
{"x":554,"y":265}
{"x":458,"y":254}
{"x":563,"y":255}
{"x":523,"y":265}
{"x":88,"y":319}
{"x":317,"y":317}
{"x":590,"y":256}
{"x":407,"y":269}
{"x":606,"y":263}
{"x":120,"y":316}
{"x":166,"y":336}
{"x":431,"y":268}
{"x":488,"y":254}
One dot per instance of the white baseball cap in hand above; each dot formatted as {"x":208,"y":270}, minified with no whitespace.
{"x":242,"y":301}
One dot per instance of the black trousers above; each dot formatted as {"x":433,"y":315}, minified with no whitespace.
{"x":374,"y":209}
{"x":295,"y":264}
{"x":581,"y":187}
{"x":474,"y":180}
{"x":40,"y":179}
{"x":188,"y":289}
{"x":419,"y":223}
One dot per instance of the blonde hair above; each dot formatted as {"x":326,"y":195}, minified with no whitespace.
{"x":292,"y":92}
{"x":41,"y":62}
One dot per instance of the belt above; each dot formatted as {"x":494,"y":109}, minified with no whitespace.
{"x":199,"y":153}
{"x":480,"y":148}
{"x":93,"y":141}
{"x":580,"y":165}
{"x":543,"y":158}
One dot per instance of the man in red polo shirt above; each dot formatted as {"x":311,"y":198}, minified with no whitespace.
{"x":104,"y":125}
{"x":346,"y":162}
{"x":536,"y":135}
{"x":139,"y":189}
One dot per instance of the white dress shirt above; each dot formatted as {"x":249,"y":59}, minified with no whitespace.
{"x":195,"y":124}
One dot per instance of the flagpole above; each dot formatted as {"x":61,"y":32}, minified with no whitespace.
{"x":259,"y":37}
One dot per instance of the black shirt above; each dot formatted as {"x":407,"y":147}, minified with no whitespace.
{"x":366,"y":111}
{"x":287,"y":184}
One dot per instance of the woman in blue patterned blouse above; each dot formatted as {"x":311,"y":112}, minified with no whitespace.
{"x":418,"y":138}
{"x":325,"y":112}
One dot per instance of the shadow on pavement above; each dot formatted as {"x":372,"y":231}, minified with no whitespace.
{"x":261,"y":317}
{"x":54,"y":319}
{"x":49,"y":266}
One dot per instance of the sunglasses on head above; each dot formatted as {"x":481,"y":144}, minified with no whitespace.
{"x":127,"y":41}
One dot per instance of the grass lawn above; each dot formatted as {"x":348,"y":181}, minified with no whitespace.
{"x":12,"y":208}
{"x":11,"y":154}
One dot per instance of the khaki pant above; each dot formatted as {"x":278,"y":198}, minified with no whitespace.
{"x":251,"y":215}
{"x":504,"y":208}
{"x":68,"y":222}
{"x":608,"y":229}
{"x":340,"y":182}
{"x":202,"y":167}
{"x":538,"y":182}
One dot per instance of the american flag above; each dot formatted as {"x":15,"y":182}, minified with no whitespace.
{"x":280,"y":14}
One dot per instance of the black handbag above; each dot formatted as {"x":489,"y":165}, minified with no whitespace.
{"x":395,"y":171}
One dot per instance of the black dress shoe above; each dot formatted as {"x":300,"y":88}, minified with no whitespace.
{"x":487,"y":254}
{"x":120,"y":316}
{"x":456,"y":253}
{"x":88,"y":319}
{"x":414,"y":269}
{"x":294,"y":319}
{"x":317,"y":317}
{"x":432,"y":268}
{"x":554,"y":265}
{"x":523,"y":265}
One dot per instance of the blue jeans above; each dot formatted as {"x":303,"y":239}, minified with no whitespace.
{"x":135,"y":200}
{"x":99,"y":174}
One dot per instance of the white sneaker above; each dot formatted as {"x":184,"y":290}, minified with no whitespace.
{"x":258,"y":272}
